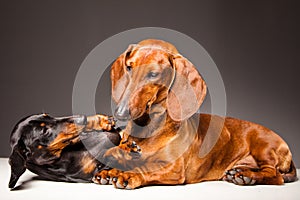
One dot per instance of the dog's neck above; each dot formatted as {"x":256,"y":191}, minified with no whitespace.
{"x":163,"y":126}
{"x":158,"y":121}
{"x":173,"y":136}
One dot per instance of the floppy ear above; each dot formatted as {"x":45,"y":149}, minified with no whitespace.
{"x":188,"y":89}
{"x":17,"y":163}
{"x":117,"y":74}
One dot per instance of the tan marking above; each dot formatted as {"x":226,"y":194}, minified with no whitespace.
{"x":42,"y":124}
{"x":65,"y":138}
{"x":99,"y":122}
{"x":88,"y":165}
{"x":40,"y":147}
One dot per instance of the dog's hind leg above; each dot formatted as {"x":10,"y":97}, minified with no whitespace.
{"x":271,"y":159}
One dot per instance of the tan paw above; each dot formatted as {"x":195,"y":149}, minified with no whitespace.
{"x":127,"y":180}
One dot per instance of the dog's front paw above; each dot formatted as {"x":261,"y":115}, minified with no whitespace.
{"x":100,"y":122}
{"x":135,"y":150}
{"x":127,"y":180}
{"x":238,"y":176}
{"x":106,"y":122}
{"x":120,"y":179}
{"x":130,"y":150}
{"x":104,"y":177}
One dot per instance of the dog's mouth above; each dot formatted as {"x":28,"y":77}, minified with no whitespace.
{"x":151,"y":111}
{"x":141,"y":117}
{"x":143,"y":120}
{"x":146,"y":125}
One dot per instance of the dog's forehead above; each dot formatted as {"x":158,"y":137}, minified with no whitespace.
{"x":158,"y":44}
{"x":40,"y":118}
{"x":23,"y":126}
{"x":148,"y":56}
{"x":28,"y":126}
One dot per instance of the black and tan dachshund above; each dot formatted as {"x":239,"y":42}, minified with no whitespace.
{"x":61,"y":149}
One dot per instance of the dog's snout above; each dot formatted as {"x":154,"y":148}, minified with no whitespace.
{"x":79,"y":119}
{"x":122,"y":113}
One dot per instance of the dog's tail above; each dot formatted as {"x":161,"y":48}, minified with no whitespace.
{"x":291,"y":175}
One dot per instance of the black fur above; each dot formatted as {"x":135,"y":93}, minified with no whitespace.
{"x":29,"y":141}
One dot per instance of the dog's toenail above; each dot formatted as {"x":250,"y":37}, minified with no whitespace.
{"x":125,"y":183}
{"x":114,"y":179}
{"x":133,"y":144}
{"x":247,"y":180}
{"x":232,"y":172}
{"x":103,"y":181}
{"x":239,"y":181}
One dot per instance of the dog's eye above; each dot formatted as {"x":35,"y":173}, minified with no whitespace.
{"x":129,"y":68}
{"x":152,"y":75}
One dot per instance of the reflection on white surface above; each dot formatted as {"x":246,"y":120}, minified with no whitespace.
{"x":29,"y":187}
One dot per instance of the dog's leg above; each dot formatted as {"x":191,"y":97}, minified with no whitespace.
{"x":243,"y":175}
{"x":170,"y":174}
{"x":271,"y":158}
{"x":118,"y":156}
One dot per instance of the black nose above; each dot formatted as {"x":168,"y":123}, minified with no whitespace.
{"x":79,"y":119}
{"x":122,"y":113}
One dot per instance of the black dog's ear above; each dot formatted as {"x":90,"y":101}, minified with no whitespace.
{"x":17,"y":163}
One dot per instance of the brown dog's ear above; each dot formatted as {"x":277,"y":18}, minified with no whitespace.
{"x":187,"y":91}
{"x":17,"y":163}
{"x":117,"y":74}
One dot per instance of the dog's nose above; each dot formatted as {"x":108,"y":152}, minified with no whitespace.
{"x":79,"y":119}
{"x":122,"y":113}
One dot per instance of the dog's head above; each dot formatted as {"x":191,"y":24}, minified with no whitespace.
{"x":153,"y":77}
{"x":40,"y":140}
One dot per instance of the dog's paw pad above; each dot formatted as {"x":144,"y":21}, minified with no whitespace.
{"x":236,"y":176}
{"x":106,"y":122}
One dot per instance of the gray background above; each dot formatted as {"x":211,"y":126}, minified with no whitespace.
{"x":255,"y":45}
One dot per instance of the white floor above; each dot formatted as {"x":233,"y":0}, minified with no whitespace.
{"x":31,"y":189}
